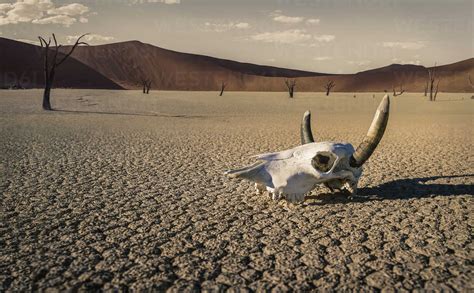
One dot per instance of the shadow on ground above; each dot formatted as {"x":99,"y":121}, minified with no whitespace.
{"x":399,"y":189}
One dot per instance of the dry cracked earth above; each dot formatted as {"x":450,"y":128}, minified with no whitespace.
{"x":119,"y":190}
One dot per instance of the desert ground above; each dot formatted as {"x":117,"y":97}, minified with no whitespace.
{"x":120,"y":190}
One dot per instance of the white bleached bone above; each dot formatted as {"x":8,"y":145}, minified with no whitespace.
{"x":290,"y":174}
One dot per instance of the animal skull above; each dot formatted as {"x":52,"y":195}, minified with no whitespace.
{"x":292,"y":173}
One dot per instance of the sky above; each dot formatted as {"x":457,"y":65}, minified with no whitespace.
{"x":344,"y":36}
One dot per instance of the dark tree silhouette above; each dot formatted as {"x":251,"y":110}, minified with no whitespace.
{"x":400,"y":92}
{"x":431,"y":83}
{"x":146,"y":85}
{"x":223,"y":85}
{"x":51,"y":63}
{"x":291,"y":84}
{"x":328,"y":86}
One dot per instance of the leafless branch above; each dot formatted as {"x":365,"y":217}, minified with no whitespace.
{"x":78,"y":43}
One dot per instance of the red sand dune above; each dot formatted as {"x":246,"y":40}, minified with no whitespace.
{"x":125,"y":64}
{"x":21,"y":63}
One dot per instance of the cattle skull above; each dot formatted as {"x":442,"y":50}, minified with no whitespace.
{"x":292,"y":173}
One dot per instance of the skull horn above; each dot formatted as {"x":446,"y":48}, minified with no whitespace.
{"x":374,"y":135}
{"x":305,"y":131}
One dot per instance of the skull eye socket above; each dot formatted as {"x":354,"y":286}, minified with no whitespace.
{"x":323,"y":161}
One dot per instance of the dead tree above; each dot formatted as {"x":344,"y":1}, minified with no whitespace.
{"x":291,"y":84}
{"x":223,"y":85}
{"x":436,"y":90}
{"x":51,"y":63}
{"x":431,"y":83}
{"x":400,"y":92}
{"x":146,"y":85}
{"x":426,"y":88}
{"x":329,"y":85}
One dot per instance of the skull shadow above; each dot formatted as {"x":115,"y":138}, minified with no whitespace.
{"x":398,"y":189}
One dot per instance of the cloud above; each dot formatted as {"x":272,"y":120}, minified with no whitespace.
{"x":92,"y":39}
{"x":242,"y":25}
{"x":70,"y":10}
{"x":223,"y":27}
{"x":279,"y":17}
{"x":313,"y":21}
{"x":288,"y":19}
{"x":293,"y":36}
{"x":322,"y":58}
{"x":359,"y":62}
{"x":413,"y":62}
{"x":41,"y":12}
{"x":404,"y":45}
{"x":283,"y":37}
{"x":325,"y":38}
{"x":65,"y":20}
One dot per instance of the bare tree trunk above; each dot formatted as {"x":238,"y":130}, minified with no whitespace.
{"x":436,"y":91}
{"x":148,"y":87}
{"x":431,"y":81}
{"x":399,"y":93}
{"x":46,"y":97}
{"x":291,"y":87}
{"x":431,"y":90}
{"x":329,"y":85}
{"x":223,"y":85}
{"x":51,"y":65}
{"x":47,"y":91}
{"x":426,"y":88}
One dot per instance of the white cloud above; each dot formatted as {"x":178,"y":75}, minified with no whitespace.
{"x":404,"y":45}
{"x":283,"y":37}
{"x":279,"y":17}
{"x":413,"y":62}
{"x":40,"y":12}
{"x":4,"y":7}
{"x":359,"y":62}
{"x":242,"y":25}
{"x":288,"y":19}
{"x":65,"y":20}
{"x":70,"y":10}
{"x":313,"y":21}
{"x":92,"y":39}
{"x":322,"y":58}
{"x":293,"y":36}
{"x":325,"y":38}
{"x":223,"y":27}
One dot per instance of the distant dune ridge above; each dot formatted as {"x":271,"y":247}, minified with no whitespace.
{"x":123,"y":65}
